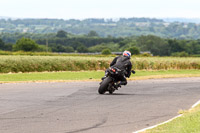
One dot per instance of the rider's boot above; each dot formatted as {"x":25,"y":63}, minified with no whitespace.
{"x":117,"y":85}
{"x":103,"y":77}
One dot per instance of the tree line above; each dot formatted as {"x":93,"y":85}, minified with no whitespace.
{"x":63,"y":41}
{"x":123,"y":27}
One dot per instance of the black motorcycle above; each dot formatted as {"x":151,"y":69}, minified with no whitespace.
{"x":111,"y":80}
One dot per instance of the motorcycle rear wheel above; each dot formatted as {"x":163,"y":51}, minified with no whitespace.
{"x":104,"y":85}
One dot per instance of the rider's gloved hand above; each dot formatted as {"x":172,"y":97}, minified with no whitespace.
{"x":133,"y":71}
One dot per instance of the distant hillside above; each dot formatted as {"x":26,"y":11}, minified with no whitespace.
{"x":105,"y":27}
{"x":183,"y":20}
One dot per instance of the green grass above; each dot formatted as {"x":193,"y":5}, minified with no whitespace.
{"x":87,"y":75}
{"x":188,"y":123}
{"x":92,"y":75}
{"x":167,"y":72}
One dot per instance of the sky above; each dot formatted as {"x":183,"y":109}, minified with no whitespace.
{"x":82,"y":9}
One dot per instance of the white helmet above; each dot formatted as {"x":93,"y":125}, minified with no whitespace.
{"x":127,"y":54}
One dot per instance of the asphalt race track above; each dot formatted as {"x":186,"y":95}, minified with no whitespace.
{"x":78,"y":108}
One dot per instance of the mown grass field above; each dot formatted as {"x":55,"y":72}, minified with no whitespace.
{"x":91,"y":75}
{"x":17,"y":63}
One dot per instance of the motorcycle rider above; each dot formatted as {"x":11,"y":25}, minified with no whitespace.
{"x":123,"y":63}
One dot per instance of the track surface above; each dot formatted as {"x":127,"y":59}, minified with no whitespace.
{"x":76,"y":107}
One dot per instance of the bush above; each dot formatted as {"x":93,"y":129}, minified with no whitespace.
{"x":25,"y":44}
{"x":134,"y":50}
{"x":106,"y":52}
{"x":97,"y":48}
{"x":82,"y":49}
{"x":180,"y":54}
{"x":146,"y":55}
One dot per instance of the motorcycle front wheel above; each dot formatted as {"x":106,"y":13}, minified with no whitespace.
{"x":104,"y":85}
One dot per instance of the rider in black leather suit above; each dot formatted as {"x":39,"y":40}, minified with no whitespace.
{"x":124,"y":64}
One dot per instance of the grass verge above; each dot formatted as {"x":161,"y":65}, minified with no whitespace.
{"x":91,"y":75}
{"x":187,"y":123}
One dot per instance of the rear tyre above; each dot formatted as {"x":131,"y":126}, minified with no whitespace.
{"x":104,"y":85}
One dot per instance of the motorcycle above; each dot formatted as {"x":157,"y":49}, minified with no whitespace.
{"x":111,"y":80}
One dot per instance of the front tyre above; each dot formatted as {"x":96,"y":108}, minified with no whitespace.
{"x":104,"y":85}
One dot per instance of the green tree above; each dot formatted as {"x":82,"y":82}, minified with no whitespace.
{"x":82,"y":49}
{"x":106,"y":52}
{"x":25,"y":44}
{"x":114,"y":47}
{"x":97,"y":48}
{"x":2,"y":44}
{"x":75,"y":44}
{"x":176,"y":45}
{"x":61,"y":34}
{"x":131,"y":43}
{"x":154,"y":44}
{"x":134,"y":50}
{"x":69,"y":49}
{"x":61,"y":48}
{"x":93,"y":33}
{"x":180,"y":54}
{"x":43,"y":48}
{"x":8,"y":47}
